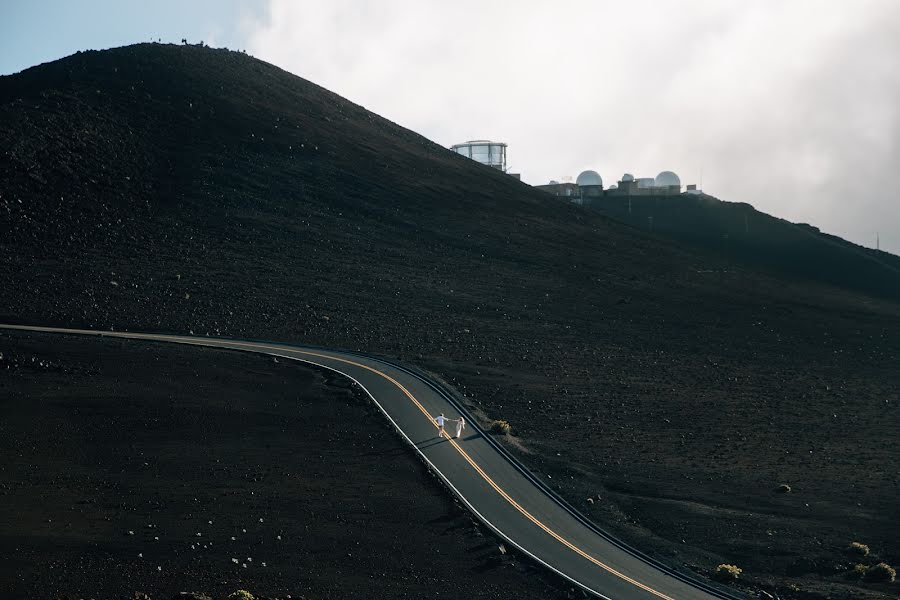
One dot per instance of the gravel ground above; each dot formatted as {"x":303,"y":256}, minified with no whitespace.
{"x":156,"y":468}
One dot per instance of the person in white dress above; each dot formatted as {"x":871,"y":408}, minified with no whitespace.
{"x":460,"y":425}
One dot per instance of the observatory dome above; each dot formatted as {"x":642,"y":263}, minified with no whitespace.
{"x":627,"y":177}
{"x":554,"y":182}
{"x":667,"y":178}
{"x":589,"y":178}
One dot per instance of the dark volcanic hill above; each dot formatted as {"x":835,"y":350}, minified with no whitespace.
{"x":740,"y":232}
{"x":186,"y":189}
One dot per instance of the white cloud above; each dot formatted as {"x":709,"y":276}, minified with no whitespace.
{"x":791,"y":105}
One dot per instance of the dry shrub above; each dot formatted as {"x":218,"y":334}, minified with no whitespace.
{"x":240,"y":595}
{"x":881,"y":572}
{"x":500,"y":426}
{"x":783,"y":489}
{"x":728,"y":572}
{"x":859,"y":569}
{"x":858,"y":548}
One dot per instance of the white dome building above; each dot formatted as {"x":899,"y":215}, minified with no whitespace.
{"x":627,"y":177}
{"x":589,"y":178}
{"x":667,"y":178}
{"x":590,"y":184}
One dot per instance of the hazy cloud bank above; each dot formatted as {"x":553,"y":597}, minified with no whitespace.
{"x":789,"y":105}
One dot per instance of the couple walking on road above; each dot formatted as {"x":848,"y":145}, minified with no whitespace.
{"x":441,"y":420}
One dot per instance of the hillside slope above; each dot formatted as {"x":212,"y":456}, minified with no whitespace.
{"x":91,"y":449}
{"x":187,"y":189}
{"x":738,"y":231}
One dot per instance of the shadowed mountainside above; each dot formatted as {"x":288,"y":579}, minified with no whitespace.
{"x":185,"y":189}
{"x":739,"y":231}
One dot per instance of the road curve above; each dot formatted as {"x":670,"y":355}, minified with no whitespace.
{"x":501,"y":493}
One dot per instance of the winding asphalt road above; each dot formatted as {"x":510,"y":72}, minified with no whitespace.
{"x":502,"y":494}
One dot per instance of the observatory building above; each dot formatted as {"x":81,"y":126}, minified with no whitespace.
{"x":492,"y":154}
{"x":667,"y":179}
{"x":589,"y":185}
{"x":666,"y":183}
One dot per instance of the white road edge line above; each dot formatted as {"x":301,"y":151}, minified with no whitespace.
{"x":431,"y":465}
{"x":212,"y":343}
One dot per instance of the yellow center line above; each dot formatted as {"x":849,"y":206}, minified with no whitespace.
{"x":415,"y":401}
{"x":484,"y":475}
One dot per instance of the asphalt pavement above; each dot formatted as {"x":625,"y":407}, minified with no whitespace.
{"x":499,"y":492}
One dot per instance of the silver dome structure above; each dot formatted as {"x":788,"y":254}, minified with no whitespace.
{"x":627,"y":177}
{"x":588,"y":178}
{"x":667,"y":178}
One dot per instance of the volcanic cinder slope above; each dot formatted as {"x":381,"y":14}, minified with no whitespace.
{"x":740,"y":232}
{"x":294,"y":484}
{"x":186,"y":189}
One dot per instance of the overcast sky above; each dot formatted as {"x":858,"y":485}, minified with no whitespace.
{"x":790,"y":105}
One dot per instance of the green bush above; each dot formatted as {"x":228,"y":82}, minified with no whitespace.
{"x":881,"y":572}
{"x":858,"y":548}
{"x":500,"y":426}
{"x":727,"y":572}
{"x":240,"y":595}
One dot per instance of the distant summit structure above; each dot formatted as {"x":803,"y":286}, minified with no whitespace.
{"x":589,"y":179}
{"x":589,"y":183}
{"x":491,"y":154}
{"x":588,"y":186}
{"x":667,"y":178}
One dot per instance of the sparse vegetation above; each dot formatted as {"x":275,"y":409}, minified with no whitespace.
{"x":727,"y":573}
{"x":881,"y":572}
{"x":859,"y":570}
{"x":500,"y":426}
{"x":783,"y":489}
{"x":858,"y":549}
{"x":241,"y":595}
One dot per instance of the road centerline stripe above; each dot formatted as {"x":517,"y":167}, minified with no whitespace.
{"x":249,"y":345}
{"x":491,"y":482}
